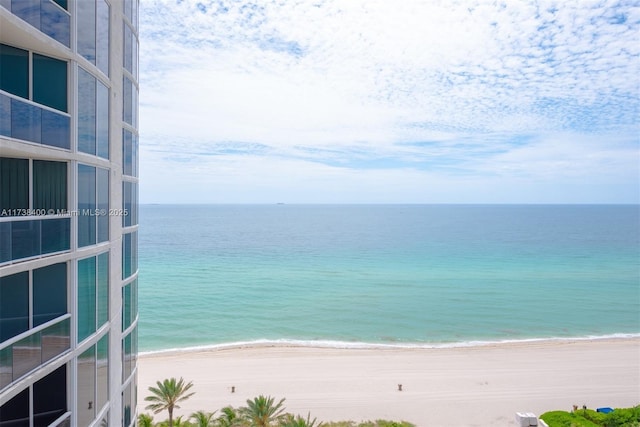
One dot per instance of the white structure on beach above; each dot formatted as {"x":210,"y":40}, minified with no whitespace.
{"x":68,"y":212}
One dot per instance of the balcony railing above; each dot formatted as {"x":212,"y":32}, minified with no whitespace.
{"x":28,"y":351}
{"x":28,"y":237}
{"x":25,"y":120}
{"x":45,"y":15}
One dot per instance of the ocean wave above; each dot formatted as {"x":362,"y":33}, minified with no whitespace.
{"x":330,"y":344}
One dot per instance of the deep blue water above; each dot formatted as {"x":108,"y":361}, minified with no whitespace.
{"x":386,"y":274}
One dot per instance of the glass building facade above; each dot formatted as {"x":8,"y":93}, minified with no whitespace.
{"x":68,"y":212}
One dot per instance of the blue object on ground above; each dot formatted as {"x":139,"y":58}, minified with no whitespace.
{"x":604,"y":410}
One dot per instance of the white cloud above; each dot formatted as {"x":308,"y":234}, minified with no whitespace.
{"x":355,"y":94}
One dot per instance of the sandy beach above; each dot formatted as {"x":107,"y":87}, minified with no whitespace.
{"x":467,"y":386}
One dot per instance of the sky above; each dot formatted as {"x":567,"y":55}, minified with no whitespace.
{"x":381,"y":101}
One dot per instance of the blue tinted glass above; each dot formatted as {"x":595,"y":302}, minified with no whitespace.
{"x":50,"y":82}
{"x":86,"y":13}
{"x":55,"y":235}
{"x":86,"y":297}
{"x":127,"y":141}
{"x":126,"y":203}
{"x":126,"y":255}
{"x":86,"y":205}
{"x":102,"y":32}
{"x":102,"y":121}
{"x":54,"y":22}
{"x":26,"y":121}
{"x":134,"y":155}
{"x":86,"y":112}
{"x":28,"y":10}
{"x":103,"y":204}
{"x":126,"y":307}
{"x":55,"y":129}
{"x":14,"y":70}
{"x":5,"y":242}
{"x":25,"y":239}
{"x":49,"y":293}
{"x":128,"y":49}
{"x":14,"y":305}
{"x":103,"y":288}
{"x":5,"y":114}
{"x":127,"y":100}
{"x":49,"y":186}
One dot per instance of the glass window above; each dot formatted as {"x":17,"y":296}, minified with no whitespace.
{"x":93,"y":115}
{"x":126,"y":357}
{"x":86,"y":386}
{"x":102,"y":120}
{"x":56,"y":339}
{"x":102,"y":372}
{"x":25,"y":239}
{"x":126,"y":255}
{"x":14,"y":184}
{"x":50,"y":397}
{"x":6,"y":369}
{"x":127,"y":99}
{"x":93,"y":205}
{"x":128,"y":48}
{"x":86,"y":205}
{"x":50,"y":82}
{"x":54,"y":22}
{"x":16,"y":411}
{"x":49,"y":293}
{"x":27,"y":355}
{"x":14,"y":305}
{"x":126,"y":406}
{"x":126,"y":306}
{"x":55,"y":129}
{"x":103,"y":288}
{"x":5,"y":242}
{"x":86,"y":110}
{"x":55,"y":235}
{"x":103,"y":204}
{"x":14,"y":70}
{"x":86,"y":297}
{"x":26,"y":121}
{"x":102,"y":33}
{"x":5,"y":115}
{"x":130,"y":203}
{"x":86,"y":12}
{"x":127,"y":153}
{"x":49,"y":185}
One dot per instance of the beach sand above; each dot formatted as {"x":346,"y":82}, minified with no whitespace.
{"x":466,"y":386}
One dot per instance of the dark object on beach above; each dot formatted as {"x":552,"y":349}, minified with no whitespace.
{"x":399,"y":387}
{"x":604,"y":410}
{"x":233,"y":389}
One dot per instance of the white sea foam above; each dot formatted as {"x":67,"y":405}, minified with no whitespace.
{"x":264,"y":343}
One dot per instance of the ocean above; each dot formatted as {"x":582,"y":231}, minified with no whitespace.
{"x":386,"y":275}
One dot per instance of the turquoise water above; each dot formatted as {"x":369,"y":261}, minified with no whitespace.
{"x":421,"y":275}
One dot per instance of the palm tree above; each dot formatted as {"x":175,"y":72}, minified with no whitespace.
{"x":228,"y":418}
{"x":298,"y":421}
{"x":261,"y":411}
{"x":202,"y":419}
{"x":145,"y":420}
{"x":166,"y":396}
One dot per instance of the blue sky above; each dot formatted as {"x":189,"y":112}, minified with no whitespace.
{"x":380,"y":101}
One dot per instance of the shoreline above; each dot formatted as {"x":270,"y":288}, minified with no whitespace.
{"x":447,"y":386}
{"x":355,"y":345}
